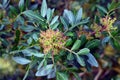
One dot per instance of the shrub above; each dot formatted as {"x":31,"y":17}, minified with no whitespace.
{"x":55,"y":46}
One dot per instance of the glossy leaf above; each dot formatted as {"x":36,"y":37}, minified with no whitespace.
{"x":92,"y":44}
{"x":49,"y":14}
{"x":69,"y":42}
{"x":83,"y":51}
{"x":61,"y":76}
{"x":51,"y":75}
{"x":76,"y":45}
{"x":27,"y":28}
{"x":70,"y":56}
{"x":21,"y":4}
{"x":80,"y":23}
{"x":105,"y":40}
{"x":1,"y":27}
{"x":80,"y":60}
{"x":35,"y":37}
{"x":79,"y":15}
{"x":77,"y":76}
{"x":54,"y":26}
{"x":43,"y":8}
{"x":91,"y":60}
{"x":71,"y":34}
{"x":34,"y":16}
{"x":54,"y":20}
{"x":70,"y":17}
{"x":45,"y":70}
{"x":64,"y":22}
{"x":29,"y":41}
{"x":83,"y":39}
{"x":21,"y":60}
{"x":101,"y":8}
{"x":40,"y":64}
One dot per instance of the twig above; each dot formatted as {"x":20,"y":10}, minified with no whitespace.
{"x":69,"y":50}
{"x":98,"y":74}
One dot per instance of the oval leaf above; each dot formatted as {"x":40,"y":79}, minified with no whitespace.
{"x":44,"y":8}
{"x":80,"y":60}
{"x":54,"y":20}
{"x":62,"y":76}
{"x":83,"y":51}
{"x":92,"y":60}
{"x":79,"y":15}
{"x":45,"y":70}
{"x":21,"y":60}
{"x":76,"y":45}
{"x":69,"y":42}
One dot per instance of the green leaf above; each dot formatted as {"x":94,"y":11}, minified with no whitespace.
{"x":13,"y":10}
{"x":40,"y":64}
{"x":70,"y":56}
{"x":113,"y":6}
{"x":49,"y":14}
{"x":51,"y":75}
{"x":101,"y":8}
{"x":54,"y":26}
{"x":27,"y":28}
{"x":21,"y":5}
{"x":116,"y":44}
{"x":83,"y":39}
{"x":45,"y":70}
{"x":5,"y":3}
{"x":70,"y":16}
{"x":17,"y":37}
{"x":5,"y":42}
{"x":21,"y":20}
{"x":80,"y":23}
{"x":38,"y":54}
{"x":35,"y":37}
{"x":64,"y":22}
{"x":71,"y":34}
{"x":105,"y":40}
{"x":80,"y":60}
{"x":83,"y":51}
{"x":30,"y":52}
{"x":92,"y":44}
{"x":1,"y":27}
{"x":76,"y":45}
{"x":44,"y":8}
{"x":29,"y":41}
{"x":61,"y":76}
{"x":54,"y":20}
{"x":21,"y":60}
{"x":34,"y":16}
{"x":69,"y":42}
{"x":79,"y":15}
{"x":77,"y":76}
{"x":92,"y":60}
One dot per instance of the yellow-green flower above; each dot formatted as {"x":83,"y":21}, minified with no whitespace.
{"x":107,"y":23}
{"x":96,"y":29}
{"x":51,"y":40}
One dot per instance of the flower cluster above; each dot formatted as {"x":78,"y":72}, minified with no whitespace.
{"x":107,"y":23}
{"x":96,"y":30}
{"x":51,"y":40}
{"x":82,"y":31}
